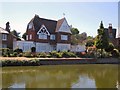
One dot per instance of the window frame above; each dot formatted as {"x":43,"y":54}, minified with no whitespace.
{"x":64,"y":37}
{"x":4,"y":37}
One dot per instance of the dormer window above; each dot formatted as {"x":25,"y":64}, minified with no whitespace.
{"x":43,"y":32}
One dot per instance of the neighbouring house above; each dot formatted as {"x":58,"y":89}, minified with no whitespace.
{"x":47,"y":35}
{"x":7,"y":39}
{"x":111,"y":34}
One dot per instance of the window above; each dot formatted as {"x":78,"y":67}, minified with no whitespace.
{"x":4,"y":37}
{"x":30,"y":25}
{"x":52,"y":37}
{"x":43,"y":33}
{"x":4,"y":46}
{"x":42,"y":36}
{"x":26,"y":37}
{"x":64,"y":37}
{"x":30,"y":36}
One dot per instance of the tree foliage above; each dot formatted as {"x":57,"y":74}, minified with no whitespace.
{"x":14,"y":32}
{"x":89,"y":43}
{"x":110,"y":48}
{"x":24,"y":36}
{"x":74,"y":31}
{"x":102,"y":40}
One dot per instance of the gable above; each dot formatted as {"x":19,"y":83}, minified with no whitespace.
{"x":43,"y":30}
{"x":64,"y":27}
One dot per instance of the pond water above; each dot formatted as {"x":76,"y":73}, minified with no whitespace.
{"x":61,"y":76}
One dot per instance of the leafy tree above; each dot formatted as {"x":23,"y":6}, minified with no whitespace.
{"x":89,"y":43}
{"x":24,"y":36}
{"x":14,"y":32}
{"x":74,"y":31}
{"x":102,"y":40}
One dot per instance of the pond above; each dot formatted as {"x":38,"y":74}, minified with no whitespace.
{"x":61,"y":76}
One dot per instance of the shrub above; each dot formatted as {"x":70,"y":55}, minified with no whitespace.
{"x":18,"y":50}
{"x":27,"y":54}
{"x":115,"y":53}
{"x":6,"y":52}
{"x":68,"y":54}
{"x":55,"y":54}
{"x":42,"y":55}
{"x":20,"y":55}
{"x":33,"y":49}
{"x":109,"y":48}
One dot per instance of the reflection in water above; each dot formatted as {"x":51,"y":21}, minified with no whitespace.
{"x":61,"y":76}
{"x":84,"y":82}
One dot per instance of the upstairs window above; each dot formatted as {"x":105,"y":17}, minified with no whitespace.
{"x":43,"y":32}
{"x":26,"y":37}
{"x":30,"y":36}
{"x":30,"y":25}
{"x":64,"y":37}
{"x":4,"y":37}
{"x":52,"y":37}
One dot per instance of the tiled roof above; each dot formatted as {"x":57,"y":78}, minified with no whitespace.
{"x":3,"y":30}
{"x":49,"y":24}
{"x":59,"y":23}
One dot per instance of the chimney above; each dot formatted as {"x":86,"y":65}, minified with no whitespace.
{"x":7,"y":27}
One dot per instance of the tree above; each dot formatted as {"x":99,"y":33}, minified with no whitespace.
{"x":14,"y":32}
{"x":74,"y":31}
{"x":24,"y":36}
{"x":89,"y":43}
{"x":102,"y":40}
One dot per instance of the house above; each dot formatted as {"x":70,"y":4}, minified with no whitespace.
{"x":7,"y":39}
{"x":46,"y":35}
{"x":110,"y":32}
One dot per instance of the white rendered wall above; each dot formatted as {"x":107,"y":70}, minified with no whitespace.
{"x":63,"y":47}
{"x":25,"y":45}
{"x":78,"y":48}
{"x":43,"y":47}
{"x":64,"y":27}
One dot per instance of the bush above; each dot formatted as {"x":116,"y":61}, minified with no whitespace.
{"x":6,"y":52}
{"x":115,"y":53}
{"x":27,"y":54}
{"x":110,"y":47}
{"x":20,"y":55}
{"x":42,"y":55}
{"x":68,"y":54}
{"x":33,"y":49}
{"x":18,"y":50}
{"x":55,"y":54}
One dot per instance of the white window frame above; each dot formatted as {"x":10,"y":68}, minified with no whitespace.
{"x":30,"y":36}
{"x":30,"y":25}
{"x":64,"y":37}
{"x":52,"y":37}
{"x":4,"y":37}
{"x":43,"y":35}
{"x":26,"y":37}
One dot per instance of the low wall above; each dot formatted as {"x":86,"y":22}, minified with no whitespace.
{"x":58,"y":61}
